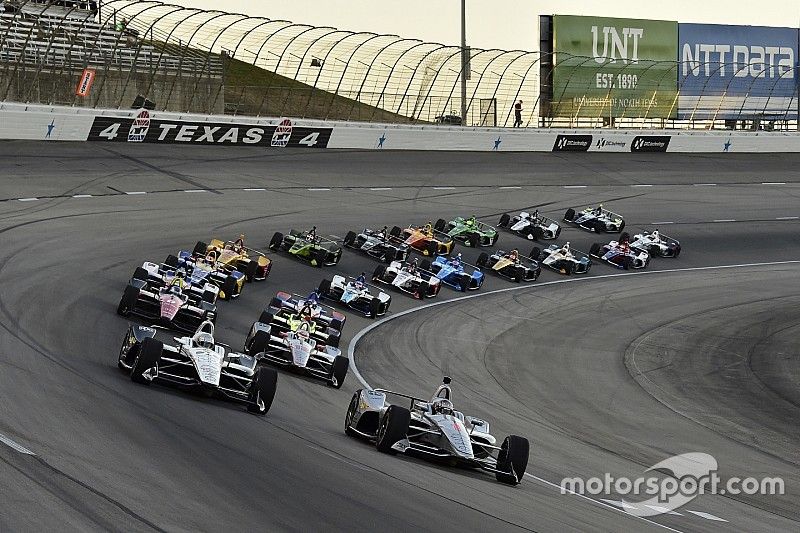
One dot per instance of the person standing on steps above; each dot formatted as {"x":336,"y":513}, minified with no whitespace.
{"x":518,"y":114}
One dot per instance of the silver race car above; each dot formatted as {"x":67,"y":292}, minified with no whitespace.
{"x":355,"y":293}
{"x":620,"y":254}
{"x":534,"y":227}
{"x":198,"y":362}
{"x":656,"y":244}
{"x":409,"y":278}
{"x":596,"y":219}
{"x":563,"y":259}
{"x":378,"y":244}
{"x":435,"y":430}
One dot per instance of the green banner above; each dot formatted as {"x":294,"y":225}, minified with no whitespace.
{"x":609,"y":67}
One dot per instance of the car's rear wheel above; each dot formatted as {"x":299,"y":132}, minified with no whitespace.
{"x":504,"y":220}
{"x":512,"y":461}
{"x":200,"y":248}
{"x":440,"y":224}
{"x":472,"y":240}
{"x":374,"y":307}
{"x":380,"y":270}
{"x":266,"y":317}
{"x":147,"y":358}
{"x":262,"y":390}
{"x":595,"y":249}
{"x":519,"y":274}
{"x":483,"y":259}
{"x":250,"y":269}
{"x":535,"y":253}
{"x":537,"y":233}
{"x":209,"y":296}
{"x":621,"y":226}
{"x":128,"y":301}
{"x":320,"y":255}
{"x":569,"y":215}
{"x":324,"y":287}
{"x":338,"y":371}
{"x":228,"y":288}
{"x":350,"y":238}
{"x":393,"y":428}
{"x":463,"y":283}
{"x":625,"y":237}
{"x":431,"y":247}
{"x":258,"y":344}
{"x":422,"y":290}
{"x":627,"y":263}
{"x":395,"y":231}
{"x":171,"y":261}
{"x":141,"y":274}
{"x":351,"y":413}
{"x":425,"y":265}
{"x":276,"y":241}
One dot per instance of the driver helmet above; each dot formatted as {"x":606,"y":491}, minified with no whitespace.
{"x":656,"y":235}
{"x":457,"y":259}
{"x":180,"y":273}
{"x":239,"y":243}
{"x":205,"y":340}
{"x":442,"y":406}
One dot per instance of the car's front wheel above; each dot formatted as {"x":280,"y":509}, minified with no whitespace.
{"x":393,"y":428}
{"x":512,"y":461}
{"x":262,"y":390}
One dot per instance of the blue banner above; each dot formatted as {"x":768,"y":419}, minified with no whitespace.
{"x":737,"y":71}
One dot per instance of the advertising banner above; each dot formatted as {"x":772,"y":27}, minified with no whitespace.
{"x":610,"y":67}
{"x":85,"y":83}
{"x":737,"y":71}
{"x":145,"y":129}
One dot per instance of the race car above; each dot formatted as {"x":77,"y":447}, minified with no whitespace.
{"x":287,"y":313}
{"x":235,"y":256}
{"x":167,"y":300}
{"x":656,"y":244}
{"x":409,"y":278}
{"x":620,"y":254}
{"x":596,"y":219}
{"x":200,"y":363}
{"x":355,"y":294}
{"x":297,"y":350}
{"x":534,"y":227}
{"x":469,"y":231}
{"x":563,"y":259}
{"x":452,"y":273}
{"x":511,"y":265}
{"x":307,"y":246}
{"x":424,"y":239}
{"x":378,"y":244}
{"x":206,"y":269}
{"x":433,"y":429}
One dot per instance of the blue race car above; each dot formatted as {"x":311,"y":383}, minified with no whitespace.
{"x":206,"y":269}
{"x":451,"y":272}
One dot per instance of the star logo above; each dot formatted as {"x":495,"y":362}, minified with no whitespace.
{"x":727,"y":145}
{"x":50,"y":128}
{"x":497,"y":144}
{"x":381,"y":140}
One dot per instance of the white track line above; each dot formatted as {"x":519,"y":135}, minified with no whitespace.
{"x":315,"y":189}
{"x":773,"y":183}
{"x":254,"y":189}
{"x":574,"y":186}
{"x":668,"y":222}
{"x":704,"y":184}
{"x":724,"y":220}
{"x":195,"y":190}
{"x":708,"y":516}
{"x":351,"y":347}
{"x":443,"y":188}
{"x":787,"y":218}
{"x":641,"y":185}
{"x":380,"y":188}
{"x":135,"y":192}
{"x":32,"y":199}
{"x":510,"y":187}
{"x":13,"y":445}
{"x":81,"y":195}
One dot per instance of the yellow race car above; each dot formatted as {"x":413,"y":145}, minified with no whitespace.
{"x":234,"y":255}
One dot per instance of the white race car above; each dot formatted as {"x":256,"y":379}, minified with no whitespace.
{"x":563,"y":259}
{"x":596,"y":219}
{"x":408,"y":278}
{"x":533,"y":227}
{"x":433,"y":429}
{"x":656,"y":244}
{"x":198,"y":362}
{"x":297,"y":350}
{"x":355,"y":294}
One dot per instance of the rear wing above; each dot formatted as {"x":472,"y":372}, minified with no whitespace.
{"x":413,"y":399}
{"x":370,"y":285}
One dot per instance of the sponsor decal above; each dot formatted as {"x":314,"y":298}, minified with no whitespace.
{"x":280,"y":139}
{"x":85,"y":83}
{"x":146,"y":129}
{"x":572,"y":143}
{"x":602,"y":142}
{"x":650,"y":143}
{"x":139,"y":127}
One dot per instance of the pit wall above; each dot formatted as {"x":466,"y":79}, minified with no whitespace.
{"x":54,"y":123}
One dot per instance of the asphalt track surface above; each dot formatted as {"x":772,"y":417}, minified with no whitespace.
{"x":612,"y":372}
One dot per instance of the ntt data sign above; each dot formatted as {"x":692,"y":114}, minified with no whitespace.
{"x":610,"y":67}
{"x":733,"y":71}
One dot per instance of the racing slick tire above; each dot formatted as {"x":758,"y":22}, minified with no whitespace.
{"x":621,"y":227}
{"x":141,"y":274}
{"x":512,"y":461}
{"x":337,"y":324}
{"x":569,"y":215}
{"x":425,"y":265}
{"x":380,"y":270}
{"x":266,"y":317}
{"x":250,"y":269}
{"x":200,"y":248}
{"x":333,"y":337}
{"x":599,"y":226}
{"x":431,"y":247}
{"x":422,"y":290}
{"x":258,"y":344}
{"x":625,"y":237}
{"x":519,"y":274}
{"x":535,"y":253}
{"x":483,"y":260}
{"x":351,"y":412}
{"x":395,"y":231}
{"x":262,"y":391}
{"x":128,"y":301}
{"x":324,"y":287}
{"x":595,"y":249}
{"x":350,"y":238}
{"x":472,"y":240}
{"x":440,"y":225}
{"x":393,"y":428}
{"x":338,"y":371}
{"x":627,"y":263}
{"x":209,"y":296}
{"x":463,"y":283}
{"x":374,"y":308}
{"x":276,"y":302}
{"x":504,"y":220}
{"x":537,"y":233}
{"x":569,"y":268}
{"x":276,"y":241}
{"x":228,"y":288}
{"x":148,"y":356}
{"x":171,"y":261}
{"x":318,"y":257}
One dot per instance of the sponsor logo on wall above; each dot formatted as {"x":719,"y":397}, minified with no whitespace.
{"x":146,"y":129}
{"x":572,"y":143}
{"x":650,"y":143}
{"x":602,"y":142}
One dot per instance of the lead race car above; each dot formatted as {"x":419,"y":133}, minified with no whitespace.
{"x":563,"y":259}
{"x":378,"y":244}
{"x":656,"y":244}
{"x":198,"y":362}
{"x":296,"y":350}
{"x":424,"y":239}
{"x":620,"y":254}
{"x":469,"y":231}
{"x":355,"y":294}
{"x":452,"y":272}
{"x":534,"y":227}
{"x":511,"y":265}
{"x":596,"y":219}
{"x":162,"y":295}
{"x":409,"y":278}
{"x":433,"y":429}
{"x":307,"y":246}
{"x":235,"y":256}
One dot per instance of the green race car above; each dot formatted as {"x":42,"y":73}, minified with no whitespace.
{"x":307,"y":246}
{"x":469,"y":231}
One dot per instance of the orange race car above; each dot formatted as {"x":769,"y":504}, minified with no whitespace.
{"x":424,"y":239}
{"x":236,"y":256}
